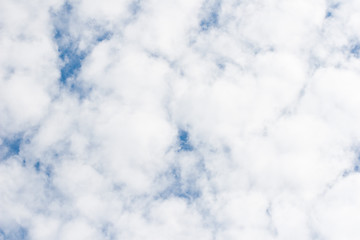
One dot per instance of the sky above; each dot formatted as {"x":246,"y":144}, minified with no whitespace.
{"x":181,"y":120}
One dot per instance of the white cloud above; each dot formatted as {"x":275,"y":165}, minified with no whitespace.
{"x":181,"y":120}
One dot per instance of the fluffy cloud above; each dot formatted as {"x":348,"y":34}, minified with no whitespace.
{"x":182,"y":120}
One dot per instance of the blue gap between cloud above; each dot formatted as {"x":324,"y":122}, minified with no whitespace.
{"x":69,"y":52}
{"x":42,"y":168}
{"x":19,"y":233}
{"x":212,"y":18}
{"x":355,"y":50}
{"x":104,"y":36}
{"x":37,"y":166}
{"x":67,"y":46}
{"x":135,"y":7}
{"x":108,"y":231}
{"x":328,"y":14}
{"x":73,"y":60}
{"x":331,"y":9}
{"x":12,"y":145}
{"x":357,"y":164}
{"x":210,"y":21}
{"x":184,"y":143}
{"x":179,"y":187}
{"x":355,"y":168}
{"x":221,"y":66}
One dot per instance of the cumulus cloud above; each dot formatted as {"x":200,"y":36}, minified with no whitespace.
{"x":197,"y":119}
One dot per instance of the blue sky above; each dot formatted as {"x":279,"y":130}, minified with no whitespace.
{"x":204,"y":119}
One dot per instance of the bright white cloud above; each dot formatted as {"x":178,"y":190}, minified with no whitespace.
{"x":179,"y":120}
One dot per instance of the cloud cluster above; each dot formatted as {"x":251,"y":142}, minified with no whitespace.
{"x":150,"y":119}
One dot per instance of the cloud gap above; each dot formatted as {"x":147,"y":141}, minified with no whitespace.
{"x":11,"y":145}
{"x":355,"y":168}
{"x":357,"y":164}
{"x":135,"y":7}
{"x":184,"y":142}
{"x":355,"y":50}
{"x":211,"y":18}
{"x":68,"y":50}
{"x":331,"y":9}
{"x":221,"y":66}
{"x":210,"y":21}
{"x":181,"y":188}
{"x":108,"y":231}
{"x":37,"y":166}
{"x":70,"y":54}
{"x":19,"y":233}
{"x":104,"y":36}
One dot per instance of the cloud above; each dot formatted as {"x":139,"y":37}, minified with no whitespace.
{"x":182,"y":120}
